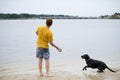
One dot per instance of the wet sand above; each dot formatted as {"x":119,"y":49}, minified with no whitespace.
{"x":65,"y":75}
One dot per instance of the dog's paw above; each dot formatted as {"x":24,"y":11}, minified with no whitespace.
{"x":84,"y":69}
{"x":100,"y":71}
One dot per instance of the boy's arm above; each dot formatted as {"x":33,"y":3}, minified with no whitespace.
{"x":37,"y":31}
{"x":52,"y":44}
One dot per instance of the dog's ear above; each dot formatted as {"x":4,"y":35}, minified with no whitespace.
{"x":86,"y":56}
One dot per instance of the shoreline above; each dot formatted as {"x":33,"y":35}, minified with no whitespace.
{"x":59,"y":72}
{"x":64,"y":75}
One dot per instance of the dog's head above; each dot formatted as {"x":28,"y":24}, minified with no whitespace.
{"x":85,"y":56}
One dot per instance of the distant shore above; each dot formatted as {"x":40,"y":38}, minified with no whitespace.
{"x":45,"y":16}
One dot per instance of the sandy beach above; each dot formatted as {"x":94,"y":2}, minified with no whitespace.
{"x":64,"y":69}
{"x":62,"y":75}
{"x":59,"y":72}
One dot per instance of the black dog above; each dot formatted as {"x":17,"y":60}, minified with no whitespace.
{"x":91,"y":63}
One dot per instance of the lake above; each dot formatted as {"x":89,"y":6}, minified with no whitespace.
{"x":100,"y":38}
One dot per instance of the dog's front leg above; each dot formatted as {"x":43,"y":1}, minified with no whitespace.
{"x":85,"y":68}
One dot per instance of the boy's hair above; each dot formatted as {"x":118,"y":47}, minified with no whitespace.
{"x":49,"y":22}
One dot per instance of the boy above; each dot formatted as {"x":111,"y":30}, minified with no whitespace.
{"x":45,"y":37}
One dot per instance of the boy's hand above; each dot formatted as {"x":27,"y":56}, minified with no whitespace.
{"x":59,"y":49}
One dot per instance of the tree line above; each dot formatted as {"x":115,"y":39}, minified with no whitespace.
{"x":44,"y":16}
{"x":34,"y":16}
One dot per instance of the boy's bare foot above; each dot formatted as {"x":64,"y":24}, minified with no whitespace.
{"x":49,"y":75}
{"x":41,"y":75}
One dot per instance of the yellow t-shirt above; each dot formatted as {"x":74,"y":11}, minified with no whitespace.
{"x":44,"y":36}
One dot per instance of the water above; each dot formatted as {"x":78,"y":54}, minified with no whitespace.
{"x":99,"y":38}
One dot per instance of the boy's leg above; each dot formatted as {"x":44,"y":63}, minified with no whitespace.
{"x":40,"y":66}
{"x":47,"y":66}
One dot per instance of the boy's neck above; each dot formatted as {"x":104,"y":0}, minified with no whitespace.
{"x":48,"y":26}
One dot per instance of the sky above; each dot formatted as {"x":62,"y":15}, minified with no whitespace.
{"x":66,"y":7}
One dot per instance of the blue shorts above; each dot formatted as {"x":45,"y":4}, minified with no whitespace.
{"x":42,"y":53}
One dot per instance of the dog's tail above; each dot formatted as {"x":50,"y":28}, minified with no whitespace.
{"x":110,"y":69}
